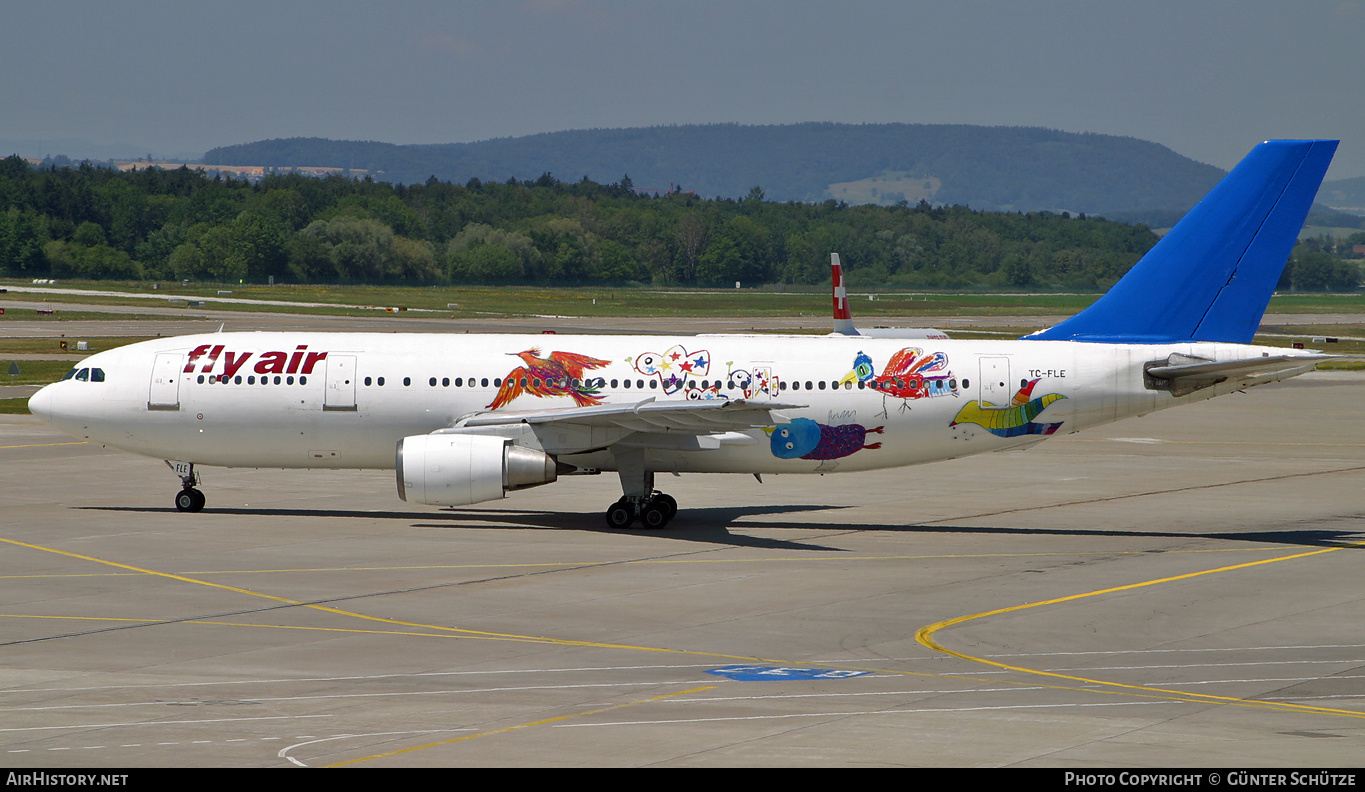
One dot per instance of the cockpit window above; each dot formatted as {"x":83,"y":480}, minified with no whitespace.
{"x":85,"y":375}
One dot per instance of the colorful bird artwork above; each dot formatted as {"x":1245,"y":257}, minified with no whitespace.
{"x":910,"y":374}
{"x":674,"y":368}
{"x":806,"y":439}
{"x":560,"y":374}
{"x":1012,"y":421}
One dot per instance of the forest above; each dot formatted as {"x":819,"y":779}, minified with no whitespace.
{"x":89,"y":222}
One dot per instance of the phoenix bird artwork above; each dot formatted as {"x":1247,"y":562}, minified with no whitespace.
{"x":911,"y":374}
{"x":560,"y":374}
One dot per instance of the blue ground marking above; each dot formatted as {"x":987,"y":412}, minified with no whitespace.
{"x":751,"y":673}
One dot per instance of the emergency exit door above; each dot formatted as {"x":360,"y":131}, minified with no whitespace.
{"x":340,"y":395}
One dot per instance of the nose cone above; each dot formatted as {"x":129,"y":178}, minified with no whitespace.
{"x":40,"y":403}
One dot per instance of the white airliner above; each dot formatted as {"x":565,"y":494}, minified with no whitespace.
{"x":468,"y":418}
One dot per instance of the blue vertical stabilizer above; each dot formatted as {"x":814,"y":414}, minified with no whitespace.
{"x":1211,"y":277}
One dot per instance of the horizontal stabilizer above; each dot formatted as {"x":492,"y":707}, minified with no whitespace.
{"x":1211,"y":277}
{"x":1181,"y":374}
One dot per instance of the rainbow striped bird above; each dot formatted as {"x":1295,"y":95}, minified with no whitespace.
{"x":561,"y":374}
{"x":1012,"y":421}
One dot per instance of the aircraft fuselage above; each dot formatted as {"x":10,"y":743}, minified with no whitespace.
{"x":318,"y":400}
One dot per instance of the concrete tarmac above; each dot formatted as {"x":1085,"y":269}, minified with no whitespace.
{"x":1182,"y":589}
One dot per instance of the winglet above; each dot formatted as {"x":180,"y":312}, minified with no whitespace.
{"x":1211,"y":277}
{"x":843,"y":317}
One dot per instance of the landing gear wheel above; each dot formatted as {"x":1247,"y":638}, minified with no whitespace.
{"x":655,"y":515}
{"x":669,"y":503}
{"x":189,"y":500}
{"x":620,"y":515}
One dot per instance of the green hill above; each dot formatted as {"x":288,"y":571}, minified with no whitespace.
{"x":996,"y":168}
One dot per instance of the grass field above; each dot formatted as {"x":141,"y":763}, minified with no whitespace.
{"x":468,"y":301}
{"x":52,"y":345}
{"x":33,"y":372}
{"x":14,"y":407}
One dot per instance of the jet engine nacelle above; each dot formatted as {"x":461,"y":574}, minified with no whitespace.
{"x":456,"y":470}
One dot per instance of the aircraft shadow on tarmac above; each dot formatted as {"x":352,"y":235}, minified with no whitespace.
{"x":717,"y":525}
{"x":709,"y":526}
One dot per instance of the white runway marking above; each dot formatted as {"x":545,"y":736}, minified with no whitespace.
{"x":284,"y":752}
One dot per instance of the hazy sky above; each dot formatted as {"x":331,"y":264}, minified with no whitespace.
{"x":1207,"y":79}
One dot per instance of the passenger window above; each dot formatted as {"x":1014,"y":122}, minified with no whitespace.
{"x":380,"y":381}
{"x":407,"y":381}
{"x":237,"y":379}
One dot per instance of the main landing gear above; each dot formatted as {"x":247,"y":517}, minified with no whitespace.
{"x":640,"y":500}
{"x":653,"y":512}
{"x":188,"y":499}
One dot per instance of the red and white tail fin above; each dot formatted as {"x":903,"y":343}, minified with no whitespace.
{"x":843,"y":317}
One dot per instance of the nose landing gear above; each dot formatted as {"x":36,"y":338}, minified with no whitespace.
{"x":188,"y":499}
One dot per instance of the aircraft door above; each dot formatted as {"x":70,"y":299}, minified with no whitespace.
{"x":165,"y":387}
{"x":993,"y":387}
{"x":340,"y":395}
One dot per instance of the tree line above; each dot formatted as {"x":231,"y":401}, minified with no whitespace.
{"x":92,"y":222}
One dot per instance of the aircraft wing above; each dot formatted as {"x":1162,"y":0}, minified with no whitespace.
{"x":578,"y":429}
{"x":1181,"y":375}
